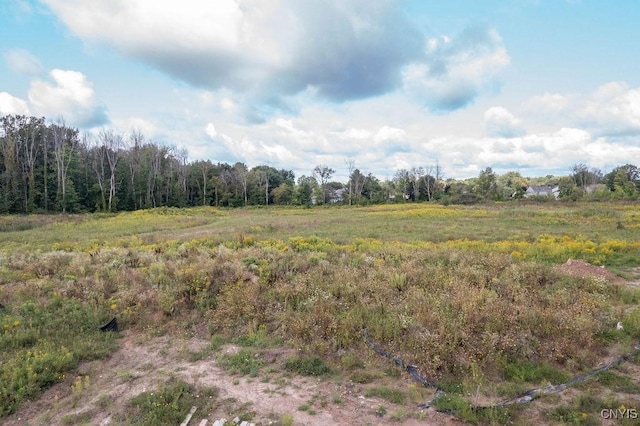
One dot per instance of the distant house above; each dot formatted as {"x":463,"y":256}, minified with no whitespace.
{"x":337,"y":196}
{"x":543,"y":191}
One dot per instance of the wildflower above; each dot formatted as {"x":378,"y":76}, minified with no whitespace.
{"x":16,"y":323}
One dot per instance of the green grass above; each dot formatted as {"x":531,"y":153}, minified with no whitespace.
{"x":524,"y":371}
{"x":388,"y":394}
{"x":243,"y":362}
{"x":307,"y":366}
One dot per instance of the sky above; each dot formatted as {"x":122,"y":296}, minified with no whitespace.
{"x":532,"y":86}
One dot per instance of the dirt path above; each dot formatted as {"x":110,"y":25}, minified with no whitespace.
{"x":141,"y":364}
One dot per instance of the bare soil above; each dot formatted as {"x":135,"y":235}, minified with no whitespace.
{"x":142,"y":364}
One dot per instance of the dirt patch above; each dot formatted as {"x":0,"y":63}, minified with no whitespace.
{"x":142,"y":364}
{"x":582,"y":269}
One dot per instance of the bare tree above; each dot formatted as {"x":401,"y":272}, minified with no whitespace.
{"x":136,"y":140}
{"x":111,"y":143}
{"x":416,"y":175}
{"x":97,"y":158}
{"x":62,"y":138}
{"x":28,"y":139}
{"x":428,"y":181}
{"x":204,"y":168}
{"x":357,"y":181}
{"x":183,"y":168}
{"x":351,"y":165}
{"x":240,"y":174}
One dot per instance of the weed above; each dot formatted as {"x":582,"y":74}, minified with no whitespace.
{"x":216,"y":342}
{"x":399,"y":414}
{"x":618,"y":382}
{"x":167,"y":405}
{"x":568,"y":415}
{"x":388,"y":394}
{"x":529,"y":372}
{"x":242,"y":362}
{"x":79,"y":387}
{"x":287,"y":419}
{"x":351,"y":361}
{"x":125,"y":375}
{"x":459,"y":407}
{"x":380,"y":411}
{"x":362,"y":377}
{"x":307,"y":366}
{"x":84,"y":417}
{"x":631,"y":323}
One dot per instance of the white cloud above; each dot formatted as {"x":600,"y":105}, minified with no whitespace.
{"x":390,"y":134}
{"x":614,"y":109}
{"x":147,"y":127}
{"x":499,"y":122}
{"x":211,"y":130}
{"x":11,"y":105}
{"x":23,"y":62}
{"x":70,"y":95}
{"x":352,"y":133}
{"x":454,"y":71}
{"x":550,"y":102}
{"x":255,"y":152}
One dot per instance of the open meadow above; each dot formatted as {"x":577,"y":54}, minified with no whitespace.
{"x":480,"y":299}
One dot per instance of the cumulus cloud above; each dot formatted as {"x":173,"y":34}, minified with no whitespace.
{"x":454,"y":71}
{"x":23,"y":62}
{"x":11,"y":105}
{"x":69,"y":95}
{"x":341,"y":50}
{"x":254,"y":152}
{"x":390,"y":134}
{"x":614,"y":110}
{"x":499,"y":122}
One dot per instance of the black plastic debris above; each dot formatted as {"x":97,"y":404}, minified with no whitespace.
{"x":110,"y":326}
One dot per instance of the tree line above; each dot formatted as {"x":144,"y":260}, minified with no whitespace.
{"x":51,"y":167}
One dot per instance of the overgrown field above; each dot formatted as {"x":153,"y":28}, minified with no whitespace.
{"x":466,"y":294}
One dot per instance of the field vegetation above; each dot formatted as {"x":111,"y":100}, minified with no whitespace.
{"x":467,"y":294}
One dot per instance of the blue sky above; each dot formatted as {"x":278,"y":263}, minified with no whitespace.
{"x":532,"y":86}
